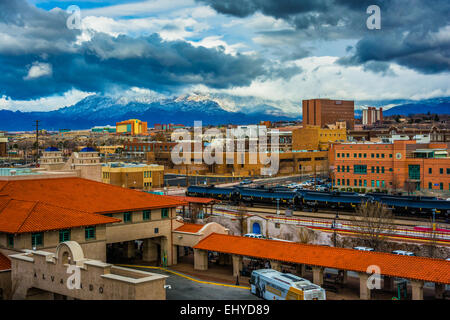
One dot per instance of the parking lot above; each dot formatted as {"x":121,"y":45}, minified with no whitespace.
{"x":183,"y":288}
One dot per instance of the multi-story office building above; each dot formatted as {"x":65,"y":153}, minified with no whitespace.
{"x":134,"y":176}
{"x":132,"y":127}
{"x":320,"y":112}
{"x":400,"y":165}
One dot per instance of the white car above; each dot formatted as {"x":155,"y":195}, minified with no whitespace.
{"x":363,"y":249}
{"x":403,"y":253}
{"x":253,"y":235}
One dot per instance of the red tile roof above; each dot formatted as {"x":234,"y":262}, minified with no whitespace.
{"x":194,"y":199}
{"x":85,"y":195}
{"x":418,"y":268}
{"x":20,"y":216}
{"x":190,"y":227}
{"x":5,"y":263}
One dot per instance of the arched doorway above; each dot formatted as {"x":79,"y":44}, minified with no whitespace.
{"x":256,"y":228}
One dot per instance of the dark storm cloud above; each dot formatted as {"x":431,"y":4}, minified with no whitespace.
{"x":414,"y":33}
{"x":30,"y":35}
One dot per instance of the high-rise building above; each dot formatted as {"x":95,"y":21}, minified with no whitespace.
{"x":371,"y":115}
{"x":3,"y":143}
{"x":321,"y":112}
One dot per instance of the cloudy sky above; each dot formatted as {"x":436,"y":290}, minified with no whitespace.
{"x":271,"y":49}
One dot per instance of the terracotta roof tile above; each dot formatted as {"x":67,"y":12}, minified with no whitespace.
{"x":5,"y":263}
{"x":85,"y":195}
{"x":190,"y":227}
{"x":194,"y":199}
{"x":20,"y":216}
{"x":418,"y":268}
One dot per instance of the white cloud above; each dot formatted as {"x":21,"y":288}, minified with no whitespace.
{"x":39,"y":69}
{"x":215,"y":42}
{"x":323,"y":78}
{"x":45,"y":103}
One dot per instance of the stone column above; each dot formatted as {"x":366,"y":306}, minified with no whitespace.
{"x":200,"y":259}
{"x":301,"y":270}
{"x":180,"y":251}
{"x":275,"y":265}
{"x":166,"y":246}
{"x":175,"y":254}
{"x":129,"y":249}
{"x":388,"y":283}
{"x":149,"y":251}
{"x":237,"y":265}
{"x":364,"y":291}
{"x":439,"y":290}
{"x":417,"y":289}
{"x":318,"y":275}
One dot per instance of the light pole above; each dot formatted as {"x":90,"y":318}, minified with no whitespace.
{"x":278,"y":206}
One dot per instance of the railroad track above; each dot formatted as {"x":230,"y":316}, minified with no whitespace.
{"x":331,"y":214}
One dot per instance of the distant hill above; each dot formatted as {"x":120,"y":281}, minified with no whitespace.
{"x":100,"y":110}
{"x":433,"y":106}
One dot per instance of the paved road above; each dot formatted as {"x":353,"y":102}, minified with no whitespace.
{"x":185,"y":289}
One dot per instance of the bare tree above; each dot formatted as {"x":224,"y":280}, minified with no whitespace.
{"x":373,"y":221}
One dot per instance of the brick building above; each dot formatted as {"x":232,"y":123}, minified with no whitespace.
{"x":402,"y":165}
{"x":320,"y":112}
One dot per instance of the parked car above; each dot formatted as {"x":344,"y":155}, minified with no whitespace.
{"x":403,"y":253}
{"x":364,"y":248}
{"x":246,"y":181}
{"x":254,"y":235}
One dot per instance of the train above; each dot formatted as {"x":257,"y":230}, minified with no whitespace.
{"x":301,"y":199}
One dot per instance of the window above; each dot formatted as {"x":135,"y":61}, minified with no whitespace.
{"x":378,"y":169}
{"x":89,"y":233}
{"x":382,"y":169}
{"x":360,"y":182}
{"x":430,"y":185}
{"x":164,"y":213}
{"x":378,"y":155}
{"x":365,"y":155}
{"x":127,"y":217}
{"x":355,"y":182}
{"x":343,"y":182}
{"x":382,"y":184}
{"x":338,"y":169}
{"x":441,"y":170}
{"x":156,"y":230}
{"x":348,"y":168}
{"x":390,"y":155}
{"x":359,"y":169}
{"x":348,"y":155}
{"x":365,"y":183}
{"x":372,"y":183}
{"x":371,"y":155}
{"x":338,"y":155}
{"x":441,"y":186}
{"x":414,"y":171}
{"x":430,"y":170}
{"x":339,"y":182}
{"x":348,"y":182}
{"x":146,"y":215}
{"x":448,"y":170}
{"x":37,"y":239}
{"x":382,"y":155}
{"x":360,"y":155}
{"x":11,"y":240}
{"x":355,"y":155}
{"x":378,"y":183}
{"x":64,"y":235}
{"x":373,"y":169}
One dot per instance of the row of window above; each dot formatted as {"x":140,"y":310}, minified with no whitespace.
{"x":440,"y":185}
{"x":362,"y":183}
{"x":361,"y":169}
{"x":37,"y":238}
{"x":147,"y":174}
{"x":146,"y":215}
{"x":362,"y":155}
{"x":146,"y":148}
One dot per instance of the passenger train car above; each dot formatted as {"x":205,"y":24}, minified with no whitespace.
{"x":314,"y":200}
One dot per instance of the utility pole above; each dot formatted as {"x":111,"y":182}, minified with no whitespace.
{"x":37,"y":142}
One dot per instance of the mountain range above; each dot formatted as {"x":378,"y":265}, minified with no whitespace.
{"x":96,"y":110}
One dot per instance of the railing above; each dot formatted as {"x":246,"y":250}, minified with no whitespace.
{"x":320,"y":224}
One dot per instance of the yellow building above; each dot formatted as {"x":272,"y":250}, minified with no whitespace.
{"x":317,"y":138}
{"x":109,"y":149}
{"x":131,"y":127}
{"x":133,"y":176}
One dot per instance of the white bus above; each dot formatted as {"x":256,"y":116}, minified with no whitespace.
{"x":270,"y":284}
